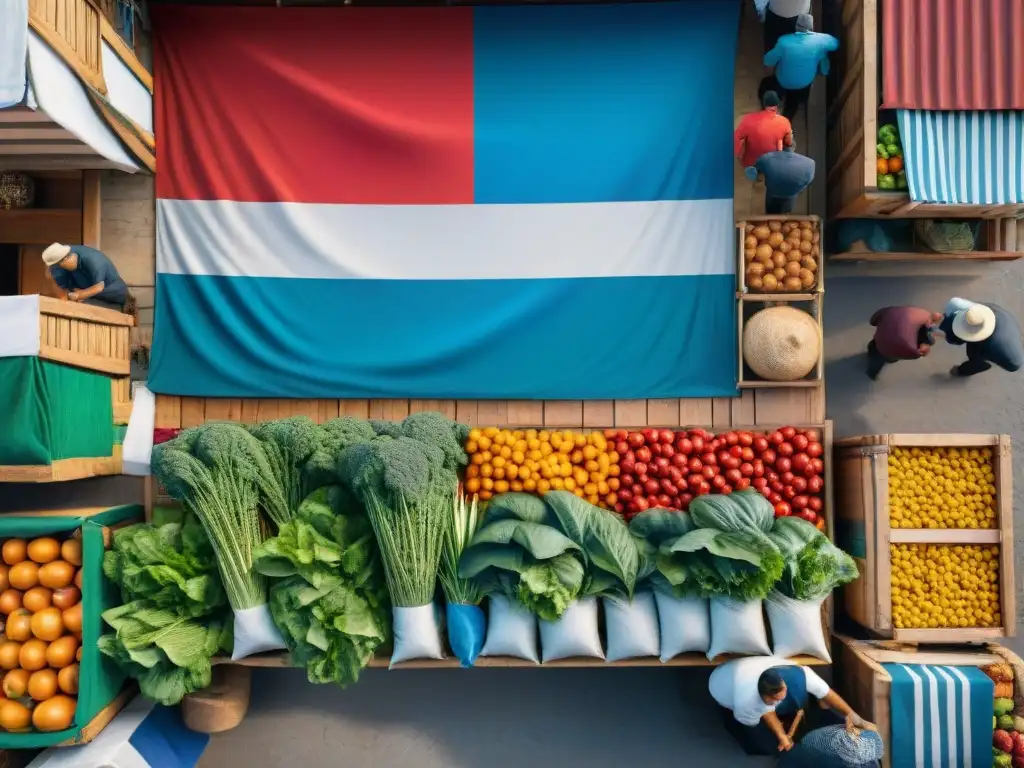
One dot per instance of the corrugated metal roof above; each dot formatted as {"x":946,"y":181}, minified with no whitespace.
{"x":953,"y":54}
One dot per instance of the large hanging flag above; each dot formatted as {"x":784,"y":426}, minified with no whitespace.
{"x":503,"y":202}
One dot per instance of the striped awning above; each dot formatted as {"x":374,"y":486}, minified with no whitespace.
{"x":964,"y":158}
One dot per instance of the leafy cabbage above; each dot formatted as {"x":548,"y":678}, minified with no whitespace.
{"x":814,"y":566}
{"x":328,"y":595}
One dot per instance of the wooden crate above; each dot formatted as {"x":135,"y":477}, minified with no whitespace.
{"x":862,"y":512}
{"x":997,"y":241}
{"x":863,"y":682}
{"x":854,"y":97}
{"x":741,"y":233}
{"x":749,"y":303}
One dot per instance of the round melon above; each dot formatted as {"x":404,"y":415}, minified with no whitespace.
{"x":781,"y":343}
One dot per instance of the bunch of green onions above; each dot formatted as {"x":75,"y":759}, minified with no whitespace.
{"x":463,"y":523}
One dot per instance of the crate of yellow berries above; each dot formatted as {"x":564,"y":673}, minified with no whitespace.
{"x":929,"y":519}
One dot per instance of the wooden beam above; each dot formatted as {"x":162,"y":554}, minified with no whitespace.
{"x":126,"y":54}
{"x":91,"y":209}
{"x":40,"y":226}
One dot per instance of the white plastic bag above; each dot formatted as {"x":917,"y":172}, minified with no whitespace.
{"x":796,"y":627}
{"x":255,"y":632}
{"x":417,"y":633}
{"x":511,"y":630}
{"x":685,"y":624}
{"x":574,"y":634}
{"x":737,"y":628}
{"x":631,"y":627}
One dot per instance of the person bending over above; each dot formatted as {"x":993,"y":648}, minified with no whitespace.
{"x":992,"y":336}
{"x":901,"y":333}
{"x":786,"y":175}
{"x":758,"y":694}
{"x":86,"y":275}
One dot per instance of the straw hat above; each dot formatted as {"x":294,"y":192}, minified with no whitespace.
{"x":976,"y":323}
{"x":781,"y":343}
{"x":55,"y":253}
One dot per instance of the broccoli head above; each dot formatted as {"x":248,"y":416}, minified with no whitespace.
{"x":288,"y":444}
{"x":431,"y":428}
{"x":321,"y":467}
{"x":395,"y":469}
{"x":389,"y":428}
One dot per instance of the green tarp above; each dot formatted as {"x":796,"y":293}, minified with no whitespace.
{"x":52,"y":412}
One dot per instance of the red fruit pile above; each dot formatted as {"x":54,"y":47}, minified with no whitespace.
{"x":662,"y":468}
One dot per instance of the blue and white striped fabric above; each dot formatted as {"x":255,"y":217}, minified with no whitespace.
{"x":965,"y":158}
{"x":941,"y":717}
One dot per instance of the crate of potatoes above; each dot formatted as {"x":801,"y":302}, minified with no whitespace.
{"x":780,"y":255}
{"x":929,"y":519}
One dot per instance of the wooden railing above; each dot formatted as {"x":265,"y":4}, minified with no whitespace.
{"x":72,"y":29}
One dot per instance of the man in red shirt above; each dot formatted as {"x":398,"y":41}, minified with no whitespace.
{"x":901,"y":333}
{"x":761,"y":132}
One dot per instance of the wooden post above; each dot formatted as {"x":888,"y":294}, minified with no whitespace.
{"x":91,"y":208}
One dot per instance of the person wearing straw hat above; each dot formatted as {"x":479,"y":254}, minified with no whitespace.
{"x":87,"y":276}
{"x":992,"y":336}
{"x":835,"y":746}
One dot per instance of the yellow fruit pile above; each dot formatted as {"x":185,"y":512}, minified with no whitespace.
{"x":942,"y":488}
{"x":538,"y":461}
{"x":945,"y":586}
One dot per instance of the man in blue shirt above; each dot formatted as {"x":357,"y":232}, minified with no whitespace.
{"x":992,"y":336}
{"x":786,"y":175}
{"x":798,"y":58}
{"x":86,"y":275}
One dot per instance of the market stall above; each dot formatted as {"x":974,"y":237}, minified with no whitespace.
{"x":936,"y":708}
{"x":66,"y":371}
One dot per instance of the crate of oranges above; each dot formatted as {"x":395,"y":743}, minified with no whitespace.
{"x":540,"y":460}
{"x":929,"y":519}
{"x":54,"y":679}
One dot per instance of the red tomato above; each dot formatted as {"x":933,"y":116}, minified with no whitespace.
{"x":696,"y":464}
{"x":667,"y":450}
{"x":799,"y":484}
{"x":643,"y":454}
{"x":759,"y":483}
{"x":627,"y":465}
{"x":661,"y":466}
{"x":669,"y":487}
{"x":782,"y":509}
{"x":635,"y":440}
{"x":776,"y":438}
{"x":782,"y":464}
{"x":800,"y":462}
{"x":694,"y":481}
{"x":652,"y":501}
{"x":725,"y":490}
{"x":621,"y":447}
{"x":685,"y":498}
{"x":786,"y":478}
{"x":731,"y":438}
{"x":806,"y":514}
{"x":625,"y":494}
{"x":773,"y":477}
{"x":697,"y":444}
{"x":704,"y":489}
{"x":814,"y":450}
{"x":743,"y":484}
{"x":641,"y":504}
{"x":680,"y":460}
{"x":747,"y":454}
{"x":709,"y":458}
{"x":760,"y":444}
{"x":747,"y":469}
{"x":800,"y":442}
{"x":812,"y":434}
{"x":786,"y":449}
{"x":620,"y":507}
{"x":736,"y":450}
{"x":675,"y":475}
{"x":666,"y":437}
{"x":650,"y":435}
{"x":758,"y":468}
{"x":655,"y":449}
{"x":733,"y":476}
{"x":733,"y":463}
{"x":815,"y":484}
{"x":652,"y":487}
{"x":709,"y":472}
{"x":717,"y":481}
{"x":684,"y":445}
{"x":768,"y":457}
{"x":746,"y":439}
{"x":609,"y":434}
{"x":723,"y":456}
{"x":626,"y":481}
{"x":665,"y":501}
{"x":639,"y":468}
{"x":800,"y":502}
{"x":788,"y":432}
{"x":788,"y":493}
{"x":815,"y":504}
{"x":817,"y":465}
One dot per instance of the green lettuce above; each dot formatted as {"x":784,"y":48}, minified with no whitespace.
{"x":328,"y":595}
{"x":167,"y":653}
{"x":169,"y":563}
{"x":814,"y":566}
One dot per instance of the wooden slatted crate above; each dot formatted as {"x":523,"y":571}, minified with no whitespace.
{"x":864,"y":683}
{"x":864,"y":529}
{"x":743,"y":228}
{"x":750,"y":303}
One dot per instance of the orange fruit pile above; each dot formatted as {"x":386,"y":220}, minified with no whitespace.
{"x":538,"y":461}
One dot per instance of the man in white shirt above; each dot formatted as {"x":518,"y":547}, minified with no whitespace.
{"x":758,"y":692}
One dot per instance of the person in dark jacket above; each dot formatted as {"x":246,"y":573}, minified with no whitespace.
{"x":86,"y":275}
{"x":992,"y":336}
{"x":786,"y":175}
{"x":901,"y":333}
